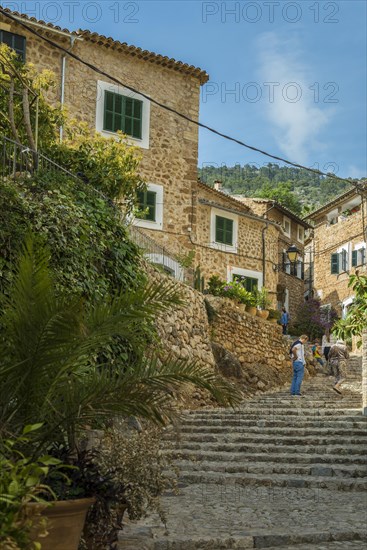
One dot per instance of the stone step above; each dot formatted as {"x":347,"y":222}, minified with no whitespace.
{"x":207,"y":432}
{"x":269,"y":426}
{"x":280,"y":439}
{"x":302,"y":458}
{"x":270,"y":448}
{"x":335,"y":545}
{"x":329,"y":470}
{"x":339,"y":414}
{"x":275,"y":480}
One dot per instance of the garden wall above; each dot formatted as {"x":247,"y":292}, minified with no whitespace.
{"x":262,"y":351}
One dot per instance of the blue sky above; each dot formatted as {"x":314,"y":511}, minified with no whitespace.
{"x":297,"y":70}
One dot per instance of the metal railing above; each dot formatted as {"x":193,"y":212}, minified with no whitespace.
{"x":159,"y":256}
{"x":17,"y":160}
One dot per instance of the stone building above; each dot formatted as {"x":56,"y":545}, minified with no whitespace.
{"x":290,"y":280}
{"x":233,"y":242}
{"x":180,"y":214}
{"x":168,"y":143}
{"x":338,"y":246}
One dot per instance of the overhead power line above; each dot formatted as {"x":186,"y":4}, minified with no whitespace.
{"x":174,"y":111}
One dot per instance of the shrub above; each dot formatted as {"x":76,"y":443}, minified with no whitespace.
{"x":233,"y":290}
{"x":311,"y":319}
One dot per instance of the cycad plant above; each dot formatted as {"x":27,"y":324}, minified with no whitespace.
{"x":53,"y":370}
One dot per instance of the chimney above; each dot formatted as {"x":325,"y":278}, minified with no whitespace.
{"x":217,"y":185}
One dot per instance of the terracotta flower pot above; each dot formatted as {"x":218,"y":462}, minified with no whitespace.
{"x":272,"y":320}
{"x":65,"y":522}
{"x":263,"y":313}
{"x":251,"y":310}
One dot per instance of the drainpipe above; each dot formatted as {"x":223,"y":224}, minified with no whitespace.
{"x":63,"y":75}
{"x":263,"y":248}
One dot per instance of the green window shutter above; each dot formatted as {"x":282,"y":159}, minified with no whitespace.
{"x":354,"y":258}
{"x":335,"y":263}
{"x":147,"y":201}
{"x":223,"y":230}
{"x":123,"y":113}
{"x":14,"y":41}
{"x":363,"y":255}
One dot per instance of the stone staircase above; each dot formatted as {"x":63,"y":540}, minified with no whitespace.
{"x":280,"y":472}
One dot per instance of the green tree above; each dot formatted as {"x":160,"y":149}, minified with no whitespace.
{"x":356,"y":319}
{"x":283,"y":194}
{"x":53,"y":370}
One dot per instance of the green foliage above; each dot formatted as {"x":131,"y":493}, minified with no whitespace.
{"x":275,"y":314}
{"x":25,"y":80}
{"x":233,"y":290}
{"x":21,"y":483}
{"x":283,"y":194}
{"x":186,"y":260}
{"x":356,"y":319}
{"x":54,"y":370}
{"x":262,"y":298}
{"x":312,"y":320}
{"x":308,"y":189}
{"x":109,"y":165}
{"x":91,"y":252}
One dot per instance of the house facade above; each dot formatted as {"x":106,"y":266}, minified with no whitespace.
{"x":182,"y":215}
{"x":338,"y":247}
{"x":292,"y":229}
{"x":168,"y":144}
{"x":233,"y":242}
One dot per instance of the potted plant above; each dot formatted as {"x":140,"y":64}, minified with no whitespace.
{"x":251,"y":304}
{"x":274,"y":315}
{"x":55,"y":370}
{"x":263,"y":303}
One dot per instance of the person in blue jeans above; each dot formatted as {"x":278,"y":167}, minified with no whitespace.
{"x":284,"y":320}
{"x":298,"y":361}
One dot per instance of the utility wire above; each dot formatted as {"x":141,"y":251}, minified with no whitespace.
{"x":170,"y":109}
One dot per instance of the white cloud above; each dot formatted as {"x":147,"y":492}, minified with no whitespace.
{"x":355,"y":172}
{"x":297,"y":124}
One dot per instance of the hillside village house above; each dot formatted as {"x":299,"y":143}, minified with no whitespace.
{"x":339,"y":247}
{"x":290,"y":287}
{"x":180,"y":214}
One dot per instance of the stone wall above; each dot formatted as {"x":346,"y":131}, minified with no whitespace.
{"x":364,"y":372}
{"x":258,"y":345}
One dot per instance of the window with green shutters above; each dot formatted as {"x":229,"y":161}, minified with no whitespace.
{"x":147,"y":201}
{"x":223,"y":230}
{"x":14,"y":41}
{"x":335,"y":263}
{"x":123,"y":113}
{"x":358,"y":257}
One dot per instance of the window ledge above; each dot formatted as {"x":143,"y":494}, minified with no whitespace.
{"x":223,"y":247}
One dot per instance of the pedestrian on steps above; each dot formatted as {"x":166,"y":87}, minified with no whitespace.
{"x":284,"y":320}
{"x":339,"y":360}
{"x":297,"y":353}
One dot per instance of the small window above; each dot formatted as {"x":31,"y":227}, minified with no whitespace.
{"x":147,"y":205}
{"x":344,"y":262}
{"x":123,"y":113}
{"x":223,"y":230}
{"x":14,"y":41}
{"x":358,"y":257}
{"x":301,"y":234}
{"x":287,"y":226}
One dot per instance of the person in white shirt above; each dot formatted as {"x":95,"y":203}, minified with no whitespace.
{"x":297,"y":352}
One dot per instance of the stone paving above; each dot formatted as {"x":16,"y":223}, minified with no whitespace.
{"x":281,"y":472}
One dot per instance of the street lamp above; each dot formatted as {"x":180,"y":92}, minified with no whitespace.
{"x":292,"y":255}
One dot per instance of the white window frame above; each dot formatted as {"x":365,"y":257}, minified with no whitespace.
{"x":347,"y":302}
{"x":301,"y":238}
{"x":359,"y":246}
{"x":287,"y":233}
{"x":232,"y":270}
{"x":287,"y":263}
{"x":220,"y":246}
{"x":347,"y":248}
{"x":158,"y":223}
{"x":102,"y":87}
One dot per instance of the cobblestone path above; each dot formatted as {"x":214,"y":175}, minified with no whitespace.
{"x":281,"y":472}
